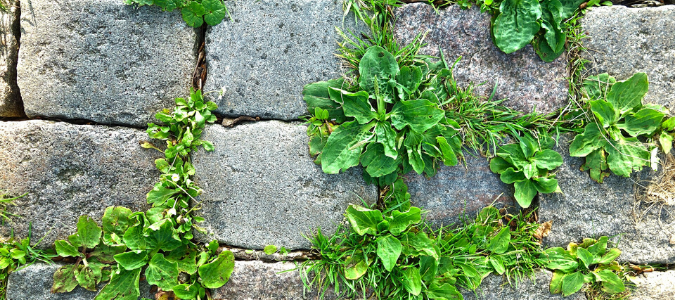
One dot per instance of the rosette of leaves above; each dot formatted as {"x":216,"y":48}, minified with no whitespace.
{"x":588,"y":262}
{"x":528,"y":165}
{"x":194,"y":12}
{"x":131,"y":243}
{"x":615,"y":140}
{"x":390,"y":122}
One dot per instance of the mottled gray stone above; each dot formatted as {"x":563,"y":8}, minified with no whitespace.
{"x":623,"y":41}
{"x":523,"y":78}
{"x":459,"y":191}
{"x":589,"y":209}
{"x":10,"y":102}
{"x":496,"y":287}
{"x":261,"y":187}
{"x":256,"y":280}
{"x":269,"y":52}
{"x":102,"y":60}
{"x":654,"y":286}
{"x":68,"y":171}
{"x":34,"y":282}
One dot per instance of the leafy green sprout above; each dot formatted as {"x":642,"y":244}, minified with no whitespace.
{"x":17,"y":254}
{"x":194,"y":12}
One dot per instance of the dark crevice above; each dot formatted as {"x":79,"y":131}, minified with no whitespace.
{"x":13,"y":58}
{"x":72,"y":121}
{"x":199,"y":74}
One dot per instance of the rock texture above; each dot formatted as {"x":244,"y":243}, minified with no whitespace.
{"x":522,"y":77}
{"x":68,"y":171}
{"x":654,"y":286}
{"x":102,"y":60}
{"x":269,"y":51}
{"x":495,"y":287}
{"x":35,"y":282}
{"x":459,"y":192}
{"x":623,"y":41}
{"x":261,"y":187}
{"x":590,"y":209}
{"x":256,"y":280}
{"x":10,"y":100}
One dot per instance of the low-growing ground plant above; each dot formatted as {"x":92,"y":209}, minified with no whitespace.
{"x":194,"y":12}
{"x":16,"y":254}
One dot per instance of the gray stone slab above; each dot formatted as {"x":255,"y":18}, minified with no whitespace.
{"x":623,"y":41}
{"x":523,"y":78}
{"x":496,"y":287}
{"x":10,"y":102}
{"x":654,"y":286}
{"x":102,"y":60}
{"x":459,"y":192}
{"x":68,"y":171}
{"x":256,"y":280}
{"x":269,"y":52}
{"x":261,"y":187}
{"x":589,"y":209}
{"x":34,"y":282}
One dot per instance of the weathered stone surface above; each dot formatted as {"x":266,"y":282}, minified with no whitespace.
{"x":522,"y":77}
{"x":102,"y":60}
{"x":269,"y":52}
{"x":35,"y":282}
{"x":654,"y":286}
{"x":10,"y":102}
{"x":590,"y":209}
{"x":623,"y":41}
{"x":256,"y":280}
{"x":495,"y":287}
{"x":68,"y":171}
{"x":458,"y":192}
{"x":261,"y":187}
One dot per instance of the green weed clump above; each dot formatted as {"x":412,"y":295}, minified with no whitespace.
{"x":17,"y":254}
{"x":194,"y":12}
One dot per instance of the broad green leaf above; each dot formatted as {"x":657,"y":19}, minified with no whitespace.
{"x":193,"y":15}
{"x":387,"y":137}
{"x":598,"y":249}
{"x":548,"y":159}
{"x":388,"y":250}
{"x":270,"y":249}
{"x":401,"y":220}
{"x":530,"y":170}
{"x":88,"y":232}
{"x":500,"y":243}
{"x":516,"y":24}
{"x":410,"y":79}
{"x":355,"y":105}
{"x":528,"y":145}
{"x":412,"y":281}
{"x":510,"y":176}
{"x":132,"y":260}
{"x":64,"y":279}
{"x":556,"y":282}
{"x":611,"y":283}
{"x":499,"y":165}
{"x":316,"y":96}
{"x":557,"y":258}
{"x":513,"y":154}
{"x":166,"y":5}
{"x":377,"y":164}
{"x":134,"y":237}
{"x":162,"y":273}
{"x":449,"y":156}
{"x":605,"y":112}
{"x":596,"y":162}
{"x":544,"y":50}
{"x":363,"y":220}
{"x":161,"y":235}
{"x":551,"y":16}
{"x":215,"y":11}
{"x":610,"y":256}
{"x":546,"y":185}
{"x":377,"y":65}
{"x":666,"y":141}
{"x":627,"y":155}
{"x":185,"y":258}
{"x":415,"y":158}
{"x":159,"y":194}
{"x":65,"y":249}
{"x":645,"y":121}
{"x":585,"y":257}
{"x":525,"y":192}
{"x":420,"y":115}
{"x":569,"y":6}
{"x":85,"y":278}
{"x":106,"y":254}
{"x":444,"y":292}
{"x":497,"y":264}
{"x":186,"y":291}
{"x":355,"y":267}
{"x":572,"y":283}
{"x":421,"y":242}
{"x":344,"y":147}
{"x":669,"y":124}
{"x":627,"y":95}
{"x":217,"y":273}
{"x":115,"y":223}
{"x":596,"y":87}
{"x":587,"y":142}
{"x":123,"y":286}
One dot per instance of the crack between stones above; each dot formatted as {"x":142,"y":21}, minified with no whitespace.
{"x":71,"y":121}
{"x":242,"y":254}
{"x":16,"y":30}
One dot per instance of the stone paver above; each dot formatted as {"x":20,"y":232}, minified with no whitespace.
{"x":102,"y":60}
{"x":35,"y":281}
{"x":496,"y":287}
{"x":590,"y":209}
{"x":261,"y":187}
{"x":522,"y":77}
{"x":271,"y":49}
{"x":10,"y":102}
{"x":458,"y":192}
{"x":623,"y":41}
{"x":68,"y":171}
{"x":654,"y":286}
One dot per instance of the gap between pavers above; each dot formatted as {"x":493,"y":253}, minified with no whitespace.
{"x":10,"y":99}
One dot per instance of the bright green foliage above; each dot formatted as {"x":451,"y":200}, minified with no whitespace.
{"x":516,"y":24}
{"x":390,"y":123}
{"x":528,"y":166}
{"x":615,"y":140}
{"x":17,"y":253}
{"x":157,"y":242}
{"x":270,"y":249}
{"x":590,"y":262}
{"x":194,"y":12}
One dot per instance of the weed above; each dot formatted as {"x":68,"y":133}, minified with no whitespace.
{"x":18,"y":254}
{"x":194,"y":12}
